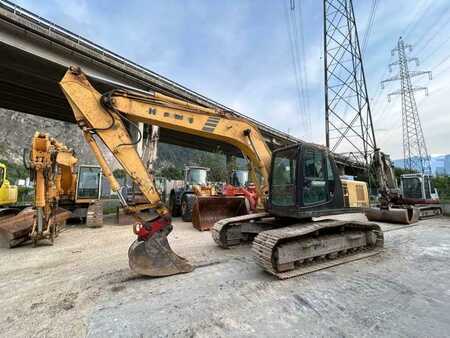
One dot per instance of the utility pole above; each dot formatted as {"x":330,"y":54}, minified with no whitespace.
{"x":415,"y":153}
{"x":348,"y":118}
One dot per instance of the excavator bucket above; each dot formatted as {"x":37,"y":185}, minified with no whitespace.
{"x":211,"y":209}
{"x":393,"y":215}
{"x":153,"y":257}
{"x":15,"y":228}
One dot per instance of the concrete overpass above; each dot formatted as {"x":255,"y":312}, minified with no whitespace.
{"x":35,"y":53}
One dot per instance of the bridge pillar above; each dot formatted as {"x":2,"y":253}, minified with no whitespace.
{"x":231,"y":164}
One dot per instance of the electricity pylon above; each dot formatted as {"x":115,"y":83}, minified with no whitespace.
{"x":348,"y":118}
{"x":415,"y":153}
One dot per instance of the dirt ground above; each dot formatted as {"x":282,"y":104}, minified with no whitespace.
{"x":82,"y":286}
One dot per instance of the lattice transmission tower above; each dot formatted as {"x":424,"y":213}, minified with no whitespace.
{"x":415,"y":153}
{"x":348,"y":118}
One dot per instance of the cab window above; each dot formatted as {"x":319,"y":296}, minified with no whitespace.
{"x":283,"y":178}
{"x":412,"y":187}
{"x":314,"y":180}
{"x":88,"y":182}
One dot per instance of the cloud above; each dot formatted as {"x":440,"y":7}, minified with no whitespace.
{"x":239,"y":54}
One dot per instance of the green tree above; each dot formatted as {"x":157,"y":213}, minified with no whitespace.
{"x":170,"y":173}
{"x":442,"y":184}
{"x":119,"y":173}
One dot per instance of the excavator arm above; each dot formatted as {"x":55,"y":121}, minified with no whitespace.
{"x":52,"y":165}
{"x":392,"y":207}
{"x":102,"y":117}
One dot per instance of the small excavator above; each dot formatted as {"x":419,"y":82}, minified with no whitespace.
{"x":304,"y":183}
{"x":418,"y":190}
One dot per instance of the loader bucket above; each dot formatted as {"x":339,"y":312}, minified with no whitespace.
{"x":15,"y":226}
{"x":393,"y":215}
{"x":211,"y":209}
{"x":153,"y":257}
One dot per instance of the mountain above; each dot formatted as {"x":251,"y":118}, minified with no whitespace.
{"x":17,"y":130}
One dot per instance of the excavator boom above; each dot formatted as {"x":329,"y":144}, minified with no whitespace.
{"x":101,"y":118}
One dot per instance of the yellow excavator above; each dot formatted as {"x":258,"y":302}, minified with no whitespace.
{"x":304,"y":183}
{"x":52,"y":166}
{"x":59,"y":194}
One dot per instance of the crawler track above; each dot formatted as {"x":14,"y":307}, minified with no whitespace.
{"x":227,"y":232}
{"x":296,"y":250}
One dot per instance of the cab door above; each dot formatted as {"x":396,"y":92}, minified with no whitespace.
{"x":89,"y":182}
{"x":319,"y":185}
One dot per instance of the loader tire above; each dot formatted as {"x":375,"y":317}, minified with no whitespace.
{"x":187,"y":204}
{"x":174,"y":208}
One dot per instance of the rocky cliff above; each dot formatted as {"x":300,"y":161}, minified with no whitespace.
{"x":17,"y":130}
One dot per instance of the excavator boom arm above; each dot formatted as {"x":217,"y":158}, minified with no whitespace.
{"x":103,"y":116}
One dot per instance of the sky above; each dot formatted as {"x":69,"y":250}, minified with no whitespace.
{"x":239,"y":53}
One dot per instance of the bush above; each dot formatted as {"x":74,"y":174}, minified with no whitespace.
{"x":25,"y":195}
{"x":442,"y":184}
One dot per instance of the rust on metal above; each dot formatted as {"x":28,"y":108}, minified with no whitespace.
{"x":393,"y":215}
{"x":154,"y":257}
{"x":15,"y":229}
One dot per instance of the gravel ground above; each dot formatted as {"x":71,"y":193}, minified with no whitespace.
{"x":82,"y":286}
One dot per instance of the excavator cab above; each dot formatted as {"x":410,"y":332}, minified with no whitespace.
{"x":304,"y":183}
{"x":196,"y":175}
{"x":418,"y":188}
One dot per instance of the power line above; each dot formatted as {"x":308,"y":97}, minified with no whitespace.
{"x":294,"y":59}
{"x":414,"y":23}
{"x":433,"y":29}
{"x":368,"y":31}
{"x":440,"y":46}
{"x":297,"y":48}
{"x":304,"y":72}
